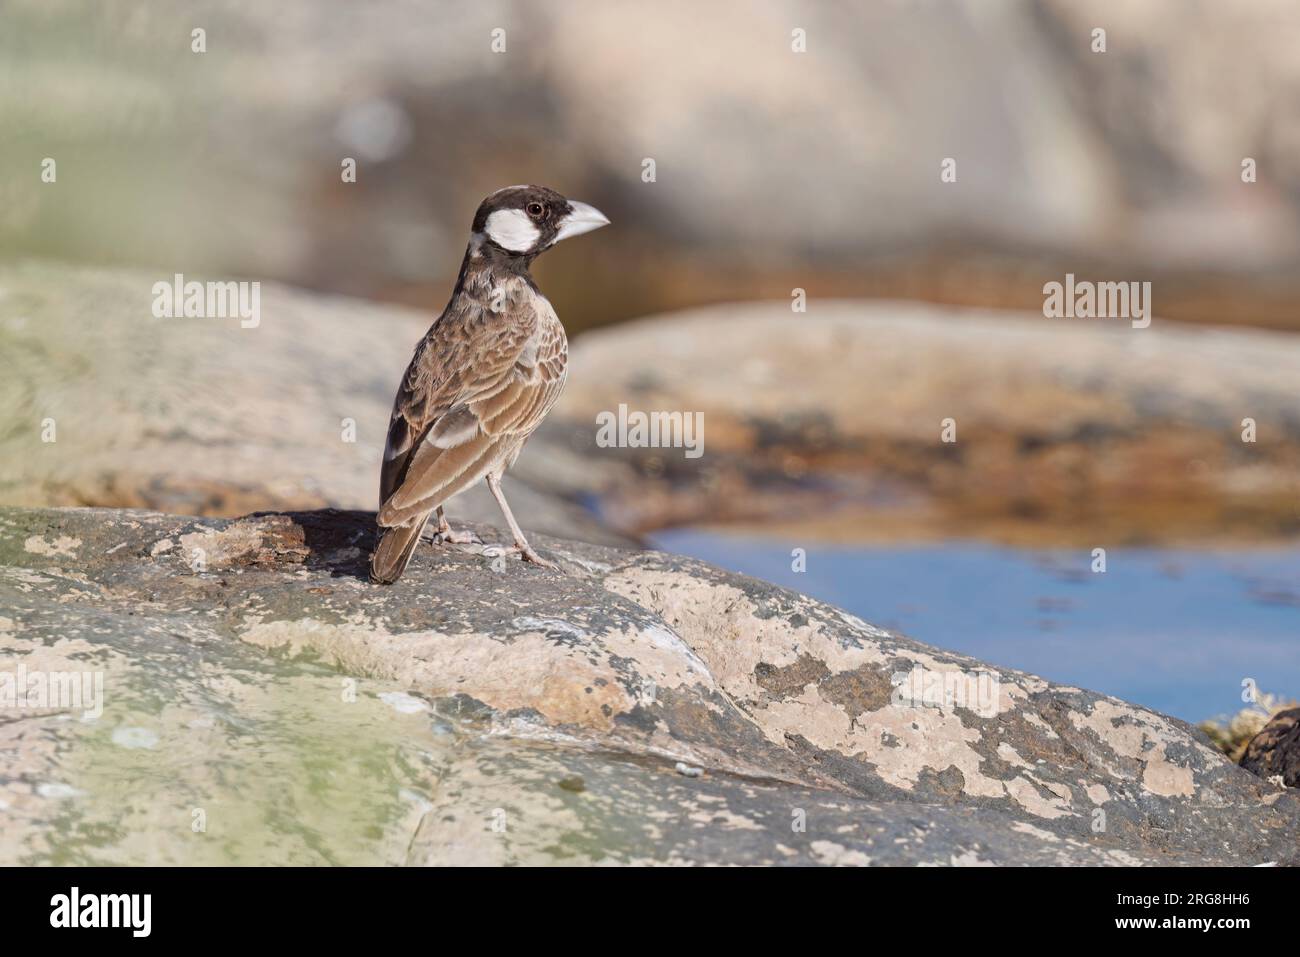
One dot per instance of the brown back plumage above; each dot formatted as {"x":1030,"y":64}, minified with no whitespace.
{"x":481,"y":381}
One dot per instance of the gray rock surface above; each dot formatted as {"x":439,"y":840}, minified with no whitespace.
{"x":633,"y":706}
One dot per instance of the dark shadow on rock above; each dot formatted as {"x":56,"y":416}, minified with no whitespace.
{"x":337,"y":540}
{"x":1275,"y":751}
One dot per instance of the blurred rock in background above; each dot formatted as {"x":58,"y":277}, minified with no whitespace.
{"x":774,"y":169}
{"x":832,"y":424}
{"x":101,"y":404}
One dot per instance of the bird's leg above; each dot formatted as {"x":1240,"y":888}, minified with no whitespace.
{"x":521,"y":543}
{"x":445,"y":533}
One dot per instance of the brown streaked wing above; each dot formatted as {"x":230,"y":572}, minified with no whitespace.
{"x":491,"y":399}
{"x":453,"y":351}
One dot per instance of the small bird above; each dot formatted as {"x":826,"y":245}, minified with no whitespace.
{"x":482,"y":378}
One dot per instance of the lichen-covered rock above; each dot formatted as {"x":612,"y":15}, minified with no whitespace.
{"x":1274,"y":753}
{"x":630,"y":707}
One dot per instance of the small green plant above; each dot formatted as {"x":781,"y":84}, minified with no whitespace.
{"x":1233,"y":734}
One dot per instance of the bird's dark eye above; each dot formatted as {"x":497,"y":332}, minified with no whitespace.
{"x":535,"y":210}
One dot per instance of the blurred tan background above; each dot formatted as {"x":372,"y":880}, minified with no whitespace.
{"x":823,"y":431}
{"x":774,"y":169}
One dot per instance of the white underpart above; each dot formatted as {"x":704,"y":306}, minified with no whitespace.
{"x":512,"y":229}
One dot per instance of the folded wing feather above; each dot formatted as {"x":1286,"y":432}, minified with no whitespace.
{"x":485,"y":397}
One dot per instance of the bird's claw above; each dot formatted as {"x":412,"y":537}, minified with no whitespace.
{"x":525,"y":552}
{"x":529,"y":555}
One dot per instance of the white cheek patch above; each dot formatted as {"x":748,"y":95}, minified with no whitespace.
{"x":512,"y":229}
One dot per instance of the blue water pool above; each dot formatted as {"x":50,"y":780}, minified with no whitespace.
{"x":1175,"y":630}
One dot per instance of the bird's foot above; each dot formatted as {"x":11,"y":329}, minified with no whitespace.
{"x":524,"y":551}
{"x":463,"y":537}
{"x":527,"y":554}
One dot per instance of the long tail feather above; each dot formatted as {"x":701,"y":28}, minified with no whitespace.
{"x":394,"y":551}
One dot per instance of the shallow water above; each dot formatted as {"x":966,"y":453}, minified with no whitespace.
{"x":1175,"y":630}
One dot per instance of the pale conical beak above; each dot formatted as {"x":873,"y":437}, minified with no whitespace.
{"x":581,"y":219}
